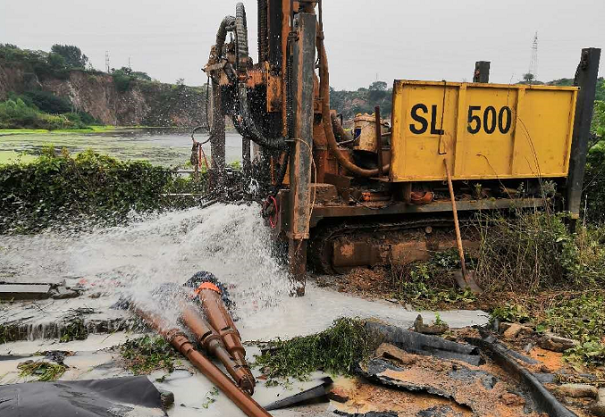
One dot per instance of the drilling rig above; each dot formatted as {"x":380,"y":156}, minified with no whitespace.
{"x":393,"y":190}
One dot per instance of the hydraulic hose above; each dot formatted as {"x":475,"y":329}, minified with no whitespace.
{"x":221,"y":35}
{"x":324,"y":88}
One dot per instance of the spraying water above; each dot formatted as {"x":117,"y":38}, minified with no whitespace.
{"x":230,"y":241}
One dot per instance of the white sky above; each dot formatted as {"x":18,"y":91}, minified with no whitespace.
{"x":388,"y":39}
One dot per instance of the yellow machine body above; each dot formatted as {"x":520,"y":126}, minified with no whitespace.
{"x":484,"y":131}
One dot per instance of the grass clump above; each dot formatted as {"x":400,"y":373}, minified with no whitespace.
{"x":430,"y":284}
{"x":581,"y":317}
{"x":43,"y":371}
{"x":147,"y":354}
{"x":514,"y":313}
{"x":74,"y":330}
{"x":336,"y":350}
{"x":535,"y":251}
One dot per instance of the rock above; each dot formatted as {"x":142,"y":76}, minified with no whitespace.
{"x":167,"y":399}
{"x":338,"y":394}
{"x":515,"y":329}
{"x":420,"y":327}
{"x":388,"y":351}
{"x":598,"y":409}
{"x":511,"y":399}
{"x":555,"y":343}
{"x":578,"y":391}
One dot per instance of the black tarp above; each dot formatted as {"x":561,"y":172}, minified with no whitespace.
{"x":98,"y":398}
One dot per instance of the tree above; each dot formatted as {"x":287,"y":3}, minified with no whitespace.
{"x":379,"y":86}
{"x":72,"y":54}
{"x":529,"y":77}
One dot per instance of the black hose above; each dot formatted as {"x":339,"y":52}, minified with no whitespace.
{"x":221,"y":35}
{"x":263,"y":33}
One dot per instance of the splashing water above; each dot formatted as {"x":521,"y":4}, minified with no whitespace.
{"x":228,"y":240}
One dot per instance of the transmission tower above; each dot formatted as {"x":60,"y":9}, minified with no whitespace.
{"x":533,"y":63}
{"x":107,"y":61}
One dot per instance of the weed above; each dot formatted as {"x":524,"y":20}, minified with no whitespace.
{"x":590,"y":354}
{"x":430,"y":284}
{"x":581,"y":317}
{"x":514,"y":313}
{"x":439,"y":321}
{"x":147,"y":354}
{"x":210,"y":398}
{"x":336,"y":350}
{"x":43,"y":371}
{"x":75,"y":330}
{"x":535,"y":251}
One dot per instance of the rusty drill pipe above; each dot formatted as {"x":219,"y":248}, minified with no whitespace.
{"x":181,"y":343}
{"x":212,"y":343}
{"x":219,"y":318}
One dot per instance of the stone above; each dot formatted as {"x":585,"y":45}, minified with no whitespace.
{"x":511,"y":399}
{"x":598,"y":408}
{"x":556,"y":343}
{"x":338,"y":394}
{"x":516,"y":329}
{"x":388,"y":351}
{"x":420,"y":327}
{"x":578,"y":391}
{"x":167,"y":399}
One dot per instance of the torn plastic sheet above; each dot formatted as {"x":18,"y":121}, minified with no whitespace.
{"x":116,"y":397}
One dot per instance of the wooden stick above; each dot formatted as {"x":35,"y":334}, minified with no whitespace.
{"x":456,"y":223}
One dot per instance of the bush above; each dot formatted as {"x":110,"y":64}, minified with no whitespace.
{"x":536,"y":251}
{"x":89,"y":188}
{"x":48,"y":102}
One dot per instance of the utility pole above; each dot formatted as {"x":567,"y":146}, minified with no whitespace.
{"x":129,"y":65}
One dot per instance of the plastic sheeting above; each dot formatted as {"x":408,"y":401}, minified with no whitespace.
{"x":116,"y":397}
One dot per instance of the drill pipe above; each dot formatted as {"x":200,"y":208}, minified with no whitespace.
{"x":211,"y":342}
{"x":180,"y":342}
{"x":220,"y":319}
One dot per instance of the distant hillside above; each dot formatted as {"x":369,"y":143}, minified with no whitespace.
{"x":122,"y":98}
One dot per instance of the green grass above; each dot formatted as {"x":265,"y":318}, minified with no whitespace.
{"x":336,"y":350}
{"x":43,"y":371}
{"x":147,"y":354}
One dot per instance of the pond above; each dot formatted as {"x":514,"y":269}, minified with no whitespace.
{"x":166,"y":147}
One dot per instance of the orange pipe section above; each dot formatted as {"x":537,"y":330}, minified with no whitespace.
{"x":180,"y":342}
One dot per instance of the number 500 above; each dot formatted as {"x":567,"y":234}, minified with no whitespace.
{"x":491,"y":119}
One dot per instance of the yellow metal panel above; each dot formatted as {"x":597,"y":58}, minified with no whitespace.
{"x":485,"y":131}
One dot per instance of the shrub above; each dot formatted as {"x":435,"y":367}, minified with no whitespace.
{"x":48,"y":102}
{"x":88,"y":189}
{"x":535,"y":251}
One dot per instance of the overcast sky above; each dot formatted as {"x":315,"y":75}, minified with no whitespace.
{"x":366,"y":40}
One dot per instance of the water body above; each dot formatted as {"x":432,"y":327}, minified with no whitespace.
{"x":165,"y":147}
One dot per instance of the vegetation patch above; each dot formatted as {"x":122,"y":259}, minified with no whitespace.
{"x":147,"y":354}
{"x":431,"y":284}
{"x":536,"y":251}
{"x":43,"y":371}
{"x":336,"y":350}
{"x":74,"y":330}
{"x":88,"y":189}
